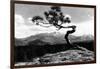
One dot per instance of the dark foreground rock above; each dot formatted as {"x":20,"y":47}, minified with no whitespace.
{"x":67,"y":56}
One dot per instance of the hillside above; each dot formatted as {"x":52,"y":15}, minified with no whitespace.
{"x":52,"y":39}
{"x":27,"y":49}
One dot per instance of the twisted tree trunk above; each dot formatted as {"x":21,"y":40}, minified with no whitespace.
{"x":67,"y":39}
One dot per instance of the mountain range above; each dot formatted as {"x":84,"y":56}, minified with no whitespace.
{"x":51,"y":38}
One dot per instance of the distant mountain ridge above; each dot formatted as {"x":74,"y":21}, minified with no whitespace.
{"x":51,"y":38}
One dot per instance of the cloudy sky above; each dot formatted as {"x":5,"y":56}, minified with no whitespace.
{"x":83,"y":18}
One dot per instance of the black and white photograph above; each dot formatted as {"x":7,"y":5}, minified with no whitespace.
{"x":53,"y":34}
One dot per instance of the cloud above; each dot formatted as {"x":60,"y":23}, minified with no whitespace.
{"x":86,"y":28}
{"x":20,"y":28}
{"x":25,"y":28}
{"x":83,"y":28}
{"x":19,"y":20}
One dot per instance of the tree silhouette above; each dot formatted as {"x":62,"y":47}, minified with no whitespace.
{"x":56,"y":18}
{"x":36,"y":18}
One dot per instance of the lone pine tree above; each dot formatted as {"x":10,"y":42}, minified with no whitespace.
{"x":56,"y":18}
